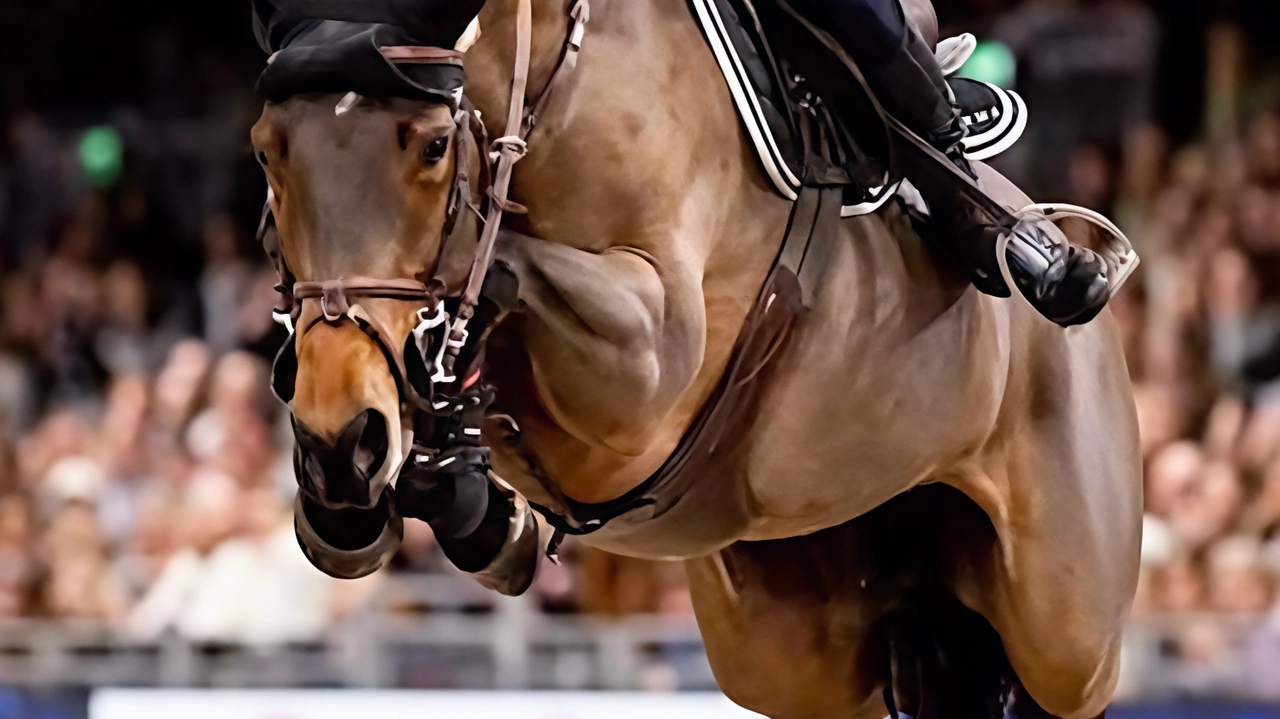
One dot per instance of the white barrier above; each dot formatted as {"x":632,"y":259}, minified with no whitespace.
{"x":345,"y":704}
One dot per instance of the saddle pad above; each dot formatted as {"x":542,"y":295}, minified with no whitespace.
{"x":754,"y":92}
{"x":996,"y":118}
{"x":743,"y":59}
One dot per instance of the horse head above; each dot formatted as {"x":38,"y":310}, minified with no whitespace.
{"x":370,"y":199}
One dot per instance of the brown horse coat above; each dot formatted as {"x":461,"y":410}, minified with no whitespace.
{"x":650,"y":232}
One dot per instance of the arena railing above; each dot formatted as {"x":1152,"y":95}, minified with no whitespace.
{"x":444,"y":631}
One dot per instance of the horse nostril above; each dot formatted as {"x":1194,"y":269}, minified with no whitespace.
{"x":371,"y":443}
{"x":338,"y":473}
{"x":308,"y":469}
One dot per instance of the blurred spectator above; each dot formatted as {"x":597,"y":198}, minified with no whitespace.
{"x":191,"y":594}
{"x":1088,"y":69}
{"x":225,"y":280}
{"x":77,"y":581}
{"x":146,"y":474}
{"x":16,"y":557}
{"x":239,"y":577}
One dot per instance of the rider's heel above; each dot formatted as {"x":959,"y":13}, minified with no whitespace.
{"x":1066,"y":283}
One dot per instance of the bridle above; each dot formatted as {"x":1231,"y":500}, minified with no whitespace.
{"x":428,"y":360}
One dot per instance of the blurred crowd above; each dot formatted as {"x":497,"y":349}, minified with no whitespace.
{"x":145,"y":470}
{"x":1201,"y":325}
{"x":146,"y":477}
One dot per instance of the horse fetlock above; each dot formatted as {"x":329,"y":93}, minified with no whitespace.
{"x":483,"y":529}
{"x":347,"y":543}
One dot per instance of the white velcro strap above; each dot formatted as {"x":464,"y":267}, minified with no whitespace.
{"x":581,"y":15}
{"x":344,"y":105}
{"x":470,"y":36}
{"x":284,"y":319}
{"x":426,"y":323}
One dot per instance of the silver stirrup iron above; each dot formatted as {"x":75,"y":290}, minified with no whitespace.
{"x":1116,"y":250}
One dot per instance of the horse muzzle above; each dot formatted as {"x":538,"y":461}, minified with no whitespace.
{"x":348,"y":472}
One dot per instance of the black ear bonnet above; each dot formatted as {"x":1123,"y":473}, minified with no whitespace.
{"x":341,"y":46}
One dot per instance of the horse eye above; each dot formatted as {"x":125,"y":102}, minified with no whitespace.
{"x":435,"y":151}
{"x":262,"y":157}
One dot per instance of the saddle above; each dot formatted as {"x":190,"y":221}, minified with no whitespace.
{"x":813,"y":122}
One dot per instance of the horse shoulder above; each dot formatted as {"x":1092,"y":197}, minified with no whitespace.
{"x":898,"y":369}
{"x":639,"y":153}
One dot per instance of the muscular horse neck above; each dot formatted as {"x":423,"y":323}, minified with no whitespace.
{"x":490,"y":62}
{"x":640,"y":155}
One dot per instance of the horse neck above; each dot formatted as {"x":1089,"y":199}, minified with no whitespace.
{"x":491,"y":62}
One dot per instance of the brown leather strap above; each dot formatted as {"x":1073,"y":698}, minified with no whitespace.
{"x":511,"y":149}
{"x":334,"y":295}
{"x":581,"y":15}
{"x":413,"y":54}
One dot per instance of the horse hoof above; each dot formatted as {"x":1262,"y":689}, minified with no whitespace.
{"x":347,"y":543}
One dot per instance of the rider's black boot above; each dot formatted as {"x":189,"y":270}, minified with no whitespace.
{"x":1065,"y":283}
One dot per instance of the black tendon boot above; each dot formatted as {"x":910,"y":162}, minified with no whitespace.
{"x":1067,"y":284}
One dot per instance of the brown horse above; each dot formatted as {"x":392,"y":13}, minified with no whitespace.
{"x":923,"y":456}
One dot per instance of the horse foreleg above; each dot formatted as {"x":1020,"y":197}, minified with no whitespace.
{"x":785,"y":631}
{"x":1062,"y":485}
{"x":615,"y":338}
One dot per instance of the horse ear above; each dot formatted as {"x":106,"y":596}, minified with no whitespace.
{"x":284,"y":371}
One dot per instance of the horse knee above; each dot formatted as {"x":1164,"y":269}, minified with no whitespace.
{"x":1079,"y":688}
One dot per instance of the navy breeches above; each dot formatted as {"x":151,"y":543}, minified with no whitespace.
{"x":870,"y":30}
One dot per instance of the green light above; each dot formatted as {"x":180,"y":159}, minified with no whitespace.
{"x":992,"y":62}
{"x":101,"y":156}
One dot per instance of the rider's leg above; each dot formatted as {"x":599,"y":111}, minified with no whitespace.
{"x":900,"y":66}
{"x":1066,"y":284}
